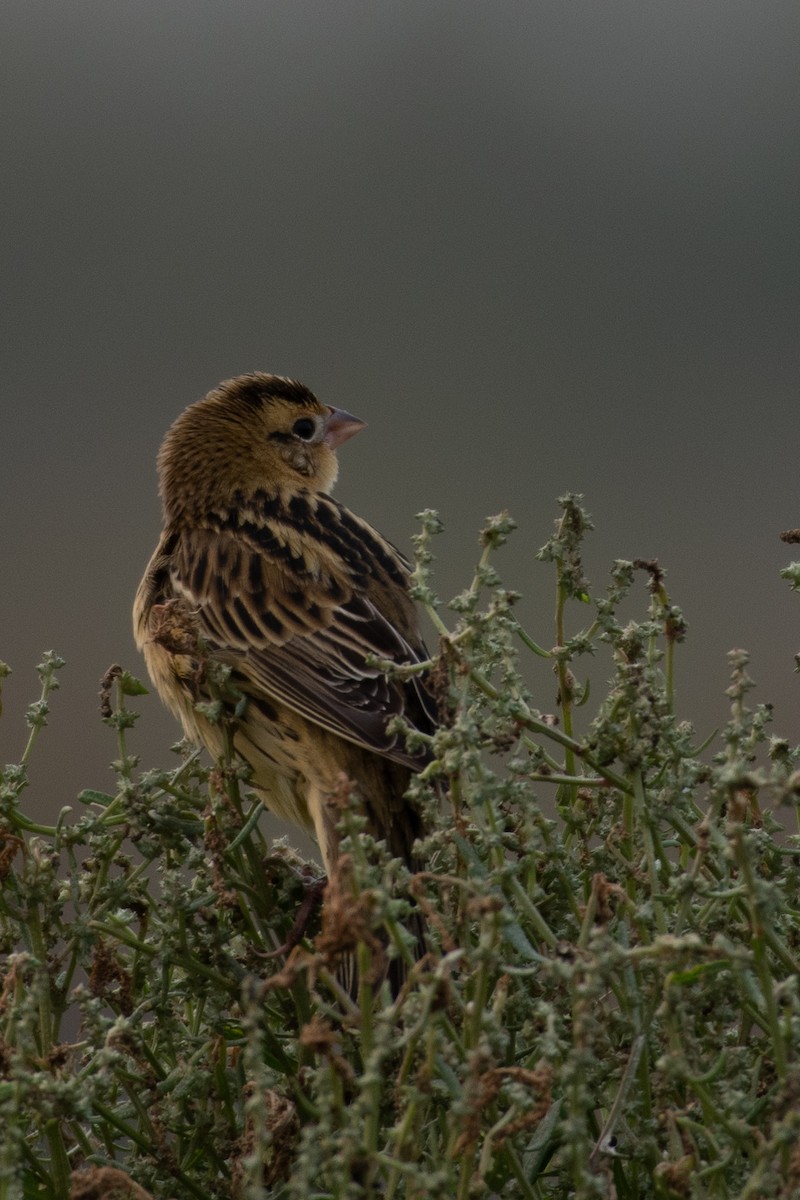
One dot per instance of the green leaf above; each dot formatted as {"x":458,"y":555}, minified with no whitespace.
{"x":131,"y":686}
{"x":515,"y":936}
{"x":90,"y":796}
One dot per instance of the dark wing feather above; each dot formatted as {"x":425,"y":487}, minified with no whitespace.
{"x":298,"y":621}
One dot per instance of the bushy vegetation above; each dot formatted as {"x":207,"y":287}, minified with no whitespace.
{"x":609,"y":1006}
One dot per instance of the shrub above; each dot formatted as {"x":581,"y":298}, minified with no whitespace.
{"x":609,"y":1006}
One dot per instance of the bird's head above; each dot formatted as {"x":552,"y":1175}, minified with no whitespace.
{"x":255,"y":432}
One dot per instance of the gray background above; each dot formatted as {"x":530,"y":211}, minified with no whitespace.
{"x":537,"y":246}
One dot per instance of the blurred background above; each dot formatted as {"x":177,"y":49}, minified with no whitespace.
{"x":538,"y":246}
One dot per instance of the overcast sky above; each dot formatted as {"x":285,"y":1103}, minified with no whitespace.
{"x":539,"y":247}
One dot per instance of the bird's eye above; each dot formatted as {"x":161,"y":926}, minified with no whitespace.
{"x":305,"y":429}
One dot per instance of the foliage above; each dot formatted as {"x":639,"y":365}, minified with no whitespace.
{"x":609,"y":1006}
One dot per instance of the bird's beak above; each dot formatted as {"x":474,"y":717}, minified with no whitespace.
{"x":339,"y":426}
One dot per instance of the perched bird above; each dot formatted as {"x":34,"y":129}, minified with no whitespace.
{"x":259,"y":569}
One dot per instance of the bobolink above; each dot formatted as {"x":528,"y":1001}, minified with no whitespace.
{"x":258,"y":568}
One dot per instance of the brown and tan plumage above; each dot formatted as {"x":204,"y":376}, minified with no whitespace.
{"x":263,"y":570}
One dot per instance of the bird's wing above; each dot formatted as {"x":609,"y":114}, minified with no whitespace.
{"x":298,"y":620}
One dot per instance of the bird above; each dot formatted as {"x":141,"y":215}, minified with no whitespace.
{"x":261,"y":571}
